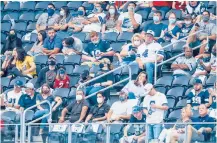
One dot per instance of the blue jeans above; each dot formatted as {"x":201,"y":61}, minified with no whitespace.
{"x":40,"y":113}
{"x":150,"y":71}
{"x":90,"y":90}
{"x":154,"y":131}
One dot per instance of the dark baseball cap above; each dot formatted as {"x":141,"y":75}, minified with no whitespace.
{"x":136,"y":109}
{"x":187,"y":16}
{"x":197,"y":81}
{"x":18,"y":83}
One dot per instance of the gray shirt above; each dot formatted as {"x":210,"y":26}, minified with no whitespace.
{"x":77,"y":45}
{"x":208,"y":29}
{"x":43,"y":20}
{"x":190,"y":62}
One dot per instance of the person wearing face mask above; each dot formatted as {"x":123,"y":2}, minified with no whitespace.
{"x":44,"y":108}
{"x":98,"y":113}
{"x":65,"y":16}
{"x":11,"y":42}
{"x":129,"y":21}
{"x":195,"y":8}
{"x":201,"y":70}
{"x":62,"y":79}
{"x":185,"y":65}
{"x":47,"y":74}
{"x":120,"y":110}
{"x":146,"y":55}
{"x":76,"y":22}
{"x":78,"y":109}
{"x":157,"y":26}
{"x":97,"y":50}
{"x":186,"y":26}
{"x":110,"y":21}
{"x":171,"y":32}
{"x":94,"y":21}
{"x":208,"y":31}
{"x":48,"y":19}
{"x":72,"y":46}
{"x":128,"y":52}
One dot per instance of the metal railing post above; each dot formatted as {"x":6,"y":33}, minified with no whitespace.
{"x":147,"y":132}
{"x":107,"y":133}
{"x":16,"y":133}
{"x":69,"y":134}
{"x":29,"y":133}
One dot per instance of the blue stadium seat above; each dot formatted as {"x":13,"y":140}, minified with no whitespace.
{"x":31,"y":26}
{"x":125,"y":37}
{"x":61,"y":92}
{"x":178,"y":13}
{"x":166,"y":22}
{"x":181,"y":81}
{"x":88,"y":6}
{"x":175,"y":114}
{"x":59,"y":59}
{"x":33,"y":37}
{"x":195,"y":113}
{"x":164,"y":81}
{"x":5,"y":81}
{"x":20,"y":27}
{"x":23,"y":79}
{"x":69,"y":69}
{"x":72,"y":93}
{"x":73,"y":60}
{"x":73,"y":80}
{"x":94,"y":69}
{"x":80,"y":35}
{"x":27,"y":6}
{"x":27,"y":46}
{"x":29,"y":115}
{"x":144,"y":14}
{"x":27,"y":16}
{"x":38,"y":14}
{"x":111,"y":36}
{"x":191,"y":82}
{"x":33,"y":81}
{"x":134,"y":70}
{"x":42,"y":5}
{"x":3,"y":38}
{"x":5,"y":27}
{"x":59,"y":4}
{"x":161,"y":89}
{"x":171,"y":102}
{"x":12,"y":6}
{"x":211,"y":80}
{"x":150,"y":16}
{"x":74,"y":5}
{"x":176,"y":92}
{"x":10,"y":115}
{"x":181,"y":103}
{"x":11,"y":15}
{"x":117,"y":47}
{"x":79,"y":69}
{"x":115,"y":131}
{"x":2,"y":5}
{"x":212,"y":4}
{"x":187,"y":92}
{"x":41,"y":60}
{"x":145,"y":24}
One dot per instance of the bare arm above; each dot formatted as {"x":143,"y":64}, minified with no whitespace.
{"x":212,"y":37}
{"x":59,"y":101}
{"x":124,"y":51}
{"x":118,"y":27}
{"x":133,"y":21}
{"x":63,"y":114}
{"x":83,"y":113}
{"x":88,"y":118}
{"x":109,"y":115}
{"x":101,"y":118}
{"x":54,"y":51}
{"x":103,"y":28}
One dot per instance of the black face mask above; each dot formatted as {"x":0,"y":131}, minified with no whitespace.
{"x":52,"y":63}
{"x":12,"y":36}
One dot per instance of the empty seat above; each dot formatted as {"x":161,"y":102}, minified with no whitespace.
{"x":23,"y":79}
{"x":80,"y":69}
{"x":181,"y":81}
{"x":111,"y":36}
{"x":164,"y":81}
{"x":61,"y":92}
{"x":117,"y":47}
{"x":31,"y":26}
{"x":134,"y":70}
{"x":33,"y":81}
{"x":211,"y":80}
{"x":74,"y":5}
{"x":11,"y":15}
{"x":73,"y":60}
{"x":27,"y":6}
{"x":41,"y":59}
{"x":176,"y":92}
{"x":181,"y":103}
{"x":144,"y":14}
{"x":42,"y":5}
{"x":5,"y":27}
{"x":88,"y":6}
{"x":3,"y":37}
{"x":38,"y":14}
{"x":175,"y":114}
{"x":20,"y":26}
{"x":28,"y":46}
{"x":59,"y":4}
{"x":125,"y":36}
{"x":27,"y":16}
{"x":10,"y":115}
{"x":59,"y":59}
{"x":5,"y":81}
{"x":187,"y":92}
{"x":69,"y":69}
{"x":73,"y":80}
{"x":12,"y":6}
{"x":171,"y":102}
{"x":80,"y":35}
{"x":72,"y":93}
{"x":161,"y":89}
{"x":94,"y":69}
{"x":29,"y":115}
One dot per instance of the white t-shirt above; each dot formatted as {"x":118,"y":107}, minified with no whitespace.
{"x":126,"y":23}
{"x":122,"y":108}
{"x":96,"y":26}
{"x":148,"y":52}
{"x":137,"y":90}
{"x":213,"y":64}
{"x":155,"y":115}
{"x":13,"y":97}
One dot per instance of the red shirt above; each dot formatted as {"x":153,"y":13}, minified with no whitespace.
{"x":58,"y":83}
{"x":162,"y":3}
{"x":178,"y":5}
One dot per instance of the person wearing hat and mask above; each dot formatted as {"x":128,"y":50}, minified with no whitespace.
{"x":11,"y":98}
{"x":136,"y":117}
{"x":99,"y":112}
{"x":198,"y":95}
{"x":11,"y":42}
{"x":62,"y":79}
{"x":72,"y":46}
{"x":48,"y":19}
{"x":28,"y":99}
{"x":208,"y":31}
{"x":155,"y":104}
{"x":146,"y":55}
{"x":78,"y":109}
{"x":185,"y":26}
{"x":121,"y":110}
{"x":184,"y":65}
{"x":47,"y":74}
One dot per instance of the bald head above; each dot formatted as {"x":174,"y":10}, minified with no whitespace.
{"x":188,"y":52}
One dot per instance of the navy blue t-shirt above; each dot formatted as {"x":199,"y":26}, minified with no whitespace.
{"x":94,"y":49}
{"x":157,"y":28}
{"x":213,"y":105}
{"x":130,"y":58}
{"x":45,"y":105}
{"x":185,"y":30}
{"x":174,"y":31}
{"x":26,"y":101}
{"x":138,"y":128}
{"x":54,"y":43}
{"x":201,"y":98}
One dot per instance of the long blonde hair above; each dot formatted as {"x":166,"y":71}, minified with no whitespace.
{"x":138,"y":36}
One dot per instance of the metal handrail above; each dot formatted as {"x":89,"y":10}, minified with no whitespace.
{"x":156,"y":65}
{"x":23,"y":128}
{"x":98,"y":77}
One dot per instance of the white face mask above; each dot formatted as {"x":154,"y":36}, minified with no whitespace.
{"x":78,"y":97}
{"x":187,"y":22}
{"x":137,"y":43}
{"x":62,"y":13}
{"x":99,"y":100}
{"x":112,"y":11}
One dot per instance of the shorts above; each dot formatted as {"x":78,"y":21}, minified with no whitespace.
{"x":195,"y":136}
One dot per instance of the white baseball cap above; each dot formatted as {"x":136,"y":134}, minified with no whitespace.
{"x":29,"y":85}
{"x":150,"y":32}
{"x":148,"y":87}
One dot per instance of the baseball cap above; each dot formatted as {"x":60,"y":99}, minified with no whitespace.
{"x":187,"y":16}
{"x":150,"y":32}
{"x":148,"y":87}
{"x":62,"y":71}
{"x":197,"y":81}
{"x":124,"y":91}
{"x":136,"y":109}
{"x":18,"y":83}
{"x":29,"y":85}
